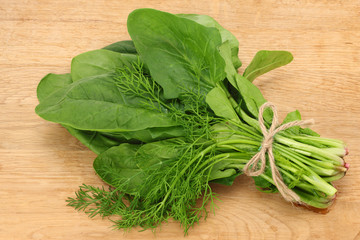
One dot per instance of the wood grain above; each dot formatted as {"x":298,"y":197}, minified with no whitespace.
{"x":41,"y":164}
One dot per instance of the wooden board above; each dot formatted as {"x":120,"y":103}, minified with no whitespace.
{"x":41,"y":164}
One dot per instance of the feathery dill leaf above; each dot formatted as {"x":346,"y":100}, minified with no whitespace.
{"x":97,"y":201}
{"x":190,"y":110}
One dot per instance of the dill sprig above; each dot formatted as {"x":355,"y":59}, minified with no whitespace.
{"x":190,"y":110}
{"x":170,"y":192}
{"x":97,"y":201}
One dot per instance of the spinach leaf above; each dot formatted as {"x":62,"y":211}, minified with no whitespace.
{"x":263,"y":184}
{"x":250,"y":96}
{"x":151,"y":134}
{"x":293,"y":116}
{"x":97,"y":142}
{"x":308,"y":131}
{"x":96,"y":104}
{"x":228,"y":181}
{"x":219,"y":103}
{"x":99,"y":62}
{"x":225,"y":172}
{"x":265,"y":61}
{"x":183,"y":55}
{"x":226,"y":35}
{"x":290,"y":117}
{"x":127,"y":166}
{"x":117,"y":167}
{"x":126,"y":46}
{"x":156,"y":155}
{"x":51,"y":83}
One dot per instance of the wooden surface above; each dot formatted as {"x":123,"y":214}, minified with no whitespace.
{"x":41,"y":164}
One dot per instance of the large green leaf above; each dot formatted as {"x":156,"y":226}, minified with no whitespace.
{"x":95,"y":141}
{"x":294,"y":116}
{"x":128,"y":165}
{"x":224,"y":173}
{"x":117,"y":167}
{"x":226,"y":35}
{"x":250,"y":96}
{"x":126,"y":46}
{"x":219,"y":103}
{"x":265,"y":61}
{"x":51,"y":83}
{"x":99,"y":62}
{"x":152,"y":156}
{"x":96,"y":104}
{"x":99,"y":142}
{"x":181,"y":54}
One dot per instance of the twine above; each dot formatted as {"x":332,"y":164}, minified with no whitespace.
{"x":251,"y":168}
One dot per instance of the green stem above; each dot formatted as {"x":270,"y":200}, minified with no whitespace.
{"x":310,"y":150}
{"x":313,"y":199}
{"x":311,"y":177}
{"x":334,"y":177}
{"x":335,"y":143}
{"x":319,"y":167}
{"x":252,"y":131}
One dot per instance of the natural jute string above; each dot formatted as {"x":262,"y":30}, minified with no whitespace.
{"x":251,"y":168}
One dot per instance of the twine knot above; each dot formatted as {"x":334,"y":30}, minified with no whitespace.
{"x":252,"y":169}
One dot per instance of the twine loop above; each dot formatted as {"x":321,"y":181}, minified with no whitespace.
{"x":252,"y":169}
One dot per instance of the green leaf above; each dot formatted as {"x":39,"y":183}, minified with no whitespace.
{"x":290,"y":117}
{"x":99,"y":142}
{"x":128,"y":165}
{"x":230,"y":71}
{"x":251,"y":98}
{"x":226,"y":36}
{"x":152,"y":134}
{"x":219,"y":103}
{"x":228,"y":181}
{"x":51,"y":83}
{"x":152,"y":156}
{"x":264,"y":186}
{"x":96,"y":104}
{"x":263,"y":183}
{"x":293,"y":116}
{"x":181,"y":54}
{"x":223,"y":172}
{"x":99,"y":62}
{"x":308,"y":131}
{"x":117,"y":167}
{"x":126,"y":46}
{"x":96,"y":141}
{"x":265,"y":61}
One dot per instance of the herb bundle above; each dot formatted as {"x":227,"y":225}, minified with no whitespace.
{"x":168,"y":113}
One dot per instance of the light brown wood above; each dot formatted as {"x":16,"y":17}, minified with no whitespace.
{"x":41,"y":164}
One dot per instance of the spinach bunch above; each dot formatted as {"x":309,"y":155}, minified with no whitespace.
{"x":168,"y":113}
